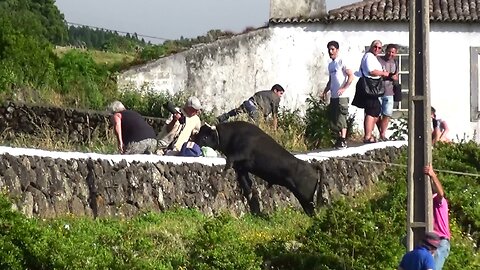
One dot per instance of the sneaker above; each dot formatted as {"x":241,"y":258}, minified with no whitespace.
{"x":222,"y":118}
{"x":341,"y":143}
{"x":344,"y":143}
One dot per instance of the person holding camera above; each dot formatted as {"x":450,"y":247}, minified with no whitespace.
{"x":179,"y":127}
{"x":389,"y":64}
{"x":134,"y":134}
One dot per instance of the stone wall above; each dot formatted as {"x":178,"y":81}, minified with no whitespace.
{"x":78,"y":126}
{"x":45,"y":187}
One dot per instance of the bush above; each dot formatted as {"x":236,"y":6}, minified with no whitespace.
{"x":463,"y":191}
{"x":219,"y":246}
{"x":318,"y":132}
{"x":150,"y":52}
{"x":26,"y":62}
{"x":149,"y":103}
{"x":83,"y":83}
{"x":399,"y":128}
{"x":291,"y":130}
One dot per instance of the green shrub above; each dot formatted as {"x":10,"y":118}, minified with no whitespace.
{"x":318,"y":132}
{"x":463,"y":191}
{"x":291,"y":130}
{"x":82,"y":80}
{"x":22,"y":243}
{"x":366,"y":236}
{"x":219,"y":246}
{"x":150,"y":52}
{"x":26,"y":62}
{"x":399,"y":128}
{"x":149,"y":103}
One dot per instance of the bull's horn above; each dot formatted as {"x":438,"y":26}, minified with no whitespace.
{"x":211,"y":127}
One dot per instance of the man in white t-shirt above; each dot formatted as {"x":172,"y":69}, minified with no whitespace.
{"x":339,"y":79}
{"x":180,"y":127}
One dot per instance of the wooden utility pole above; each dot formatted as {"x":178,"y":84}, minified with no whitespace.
{"x":419,"y":205}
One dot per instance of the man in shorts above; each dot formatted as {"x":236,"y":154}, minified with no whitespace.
{"x":339,"y":79}
{"x":386,"y":101}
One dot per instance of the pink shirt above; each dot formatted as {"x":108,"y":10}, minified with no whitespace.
{"x":440,"y":217}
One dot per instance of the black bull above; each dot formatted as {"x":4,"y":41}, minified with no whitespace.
{"x":250,"y":150}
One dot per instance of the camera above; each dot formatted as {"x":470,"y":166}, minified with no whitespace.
{"x":390,"y":76}
{"x":173,"y":110}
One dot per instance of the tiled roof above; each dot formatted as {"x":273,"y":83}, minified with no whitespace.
{"x":396,"y":11}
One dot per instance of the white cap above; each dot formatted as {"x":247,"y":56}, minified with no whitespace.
{"x":115,"y":107}
{"x":193,"y":102}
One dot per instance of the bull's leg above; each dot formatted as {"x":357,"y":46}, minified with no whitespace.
{"x":246,"y":186}
{"x":230,"y":160}
{"x":244,"y":181}
{"x":228,"y":165}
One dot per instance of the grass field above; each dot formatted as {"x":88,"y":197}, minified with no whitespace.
{"x":100,"y":57}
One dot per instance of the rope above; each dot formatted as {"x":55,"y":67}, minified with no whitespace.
{"x":399,"y":165}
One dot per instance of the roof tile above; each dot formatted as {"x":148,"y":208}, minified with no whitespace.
{"x":395,"y":11}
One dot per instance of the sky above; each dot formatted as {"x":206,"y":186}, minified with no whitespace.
{"x":172,"y":19}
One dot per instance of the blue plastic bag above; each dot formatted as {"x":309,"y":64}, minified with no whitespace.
{"x":190,"y":149}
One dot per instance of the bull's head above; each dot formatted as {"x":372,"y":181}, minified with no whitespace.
{"x":207,"y":136}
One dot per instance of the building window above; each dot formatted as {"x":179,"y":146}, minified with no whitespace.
{"x":474,"y":84}
{"x":403,"y":60}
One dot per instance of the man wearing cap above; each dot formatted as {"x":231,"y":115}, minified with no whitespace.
{"x":134,"y":134}
{"x":264,"y":102}
{"x":421,"y":257}
{"x":441,"y":224}
{"x":180,"y":127}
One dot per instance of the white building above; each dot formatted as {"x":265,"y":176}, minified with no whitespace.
{"x":292,"y":51}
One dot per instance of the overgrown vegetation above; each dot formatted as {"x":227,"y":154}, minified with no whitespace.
{"x":360,"y":233}
{"x":49,"y":139}
{"x":33,"y":71}
{"x":37,"y":66}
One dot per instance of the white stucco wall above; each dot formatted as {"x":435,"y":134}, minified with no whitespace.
{"x":298,"y":8}
{"x":226,"y":72}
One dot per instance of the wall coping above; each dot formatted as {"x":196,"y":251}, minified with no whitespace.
{"x":115,"y":158}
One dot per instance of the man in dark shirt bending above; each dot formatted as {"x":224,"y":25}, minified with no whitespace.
{"x":263,"y":102}
{"x":134,"y":134}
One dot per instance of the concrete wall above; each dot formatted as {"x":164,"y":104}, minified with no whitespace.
{"x":220,"y":73}
{"x":226,"y":72}
{"x":298,"y":8}
{"x":51,"y":187}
